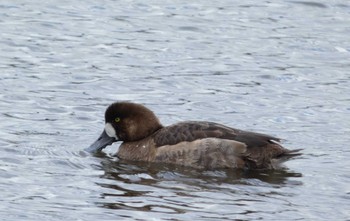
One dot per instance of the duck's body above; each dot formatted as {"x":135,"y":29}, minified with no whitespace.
{"x":203,"y":145}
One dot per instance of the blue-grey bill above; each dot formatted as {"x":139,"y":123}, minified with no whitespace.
{"x":103,"y":141}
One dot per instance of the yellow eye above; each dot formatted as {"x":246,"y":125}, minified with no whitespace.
{"x":117,"y":119}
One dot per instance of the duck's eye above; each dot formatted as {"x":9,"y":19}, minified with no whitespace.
{"x":117,"y":119}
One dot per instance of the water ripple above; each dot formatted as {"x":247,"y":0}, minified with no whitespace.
{"x":251,"y":65}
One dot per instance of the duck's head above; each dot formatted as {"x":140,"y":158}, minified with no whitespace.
{"x":126,"y":121}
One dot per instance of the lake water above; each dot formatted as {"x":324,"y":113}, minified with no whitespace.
{"x":276,"y":67}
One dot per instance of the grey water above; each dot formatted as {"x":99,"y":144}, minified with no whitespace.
{"x":275,"y":67}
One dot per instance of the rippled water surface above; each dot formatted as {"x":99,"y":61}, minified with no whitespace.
{"x":276,"y":67}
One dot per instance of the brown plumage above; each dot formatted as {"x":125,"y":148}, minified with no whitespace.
{"x":203,"y":145}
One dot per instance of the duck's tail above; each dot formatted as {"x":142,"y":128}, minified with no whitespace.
{"x":290,"y":153}
{"x":276,"y":162}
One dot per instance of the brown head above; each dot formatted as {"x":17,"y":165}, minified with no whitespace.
{"x":125,"y":121}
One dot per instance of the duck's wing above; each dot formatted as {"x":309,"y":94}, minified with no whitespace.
{"x":206,"y":153}
{"x":193,"y":130}
{"x":210,"y":145}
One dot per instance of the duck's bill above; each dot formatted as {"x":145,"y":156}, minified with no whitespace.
{"x":103,"y":141}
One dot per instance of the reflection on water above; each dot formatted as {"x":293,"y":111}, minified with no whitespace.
{"x":115,"y":169}
{"x":147,"y":183}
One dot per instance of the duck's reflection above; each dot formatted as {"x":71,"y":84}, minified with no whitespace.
{"x":150,"y":173}
{"x":135,"y":185}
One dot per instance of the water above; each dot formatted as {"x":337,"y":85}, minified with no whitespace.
{"x":277,"y":67}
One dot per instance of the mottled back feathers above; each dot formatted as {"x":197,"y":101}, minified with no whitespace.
{"x":192,"y":130}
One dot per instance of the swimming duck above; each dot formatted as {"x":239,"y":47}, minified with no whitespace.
{"x":202,"y":145}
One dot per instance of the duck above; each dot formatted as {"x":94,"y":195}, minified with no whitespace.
{"x":196,"y":144}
